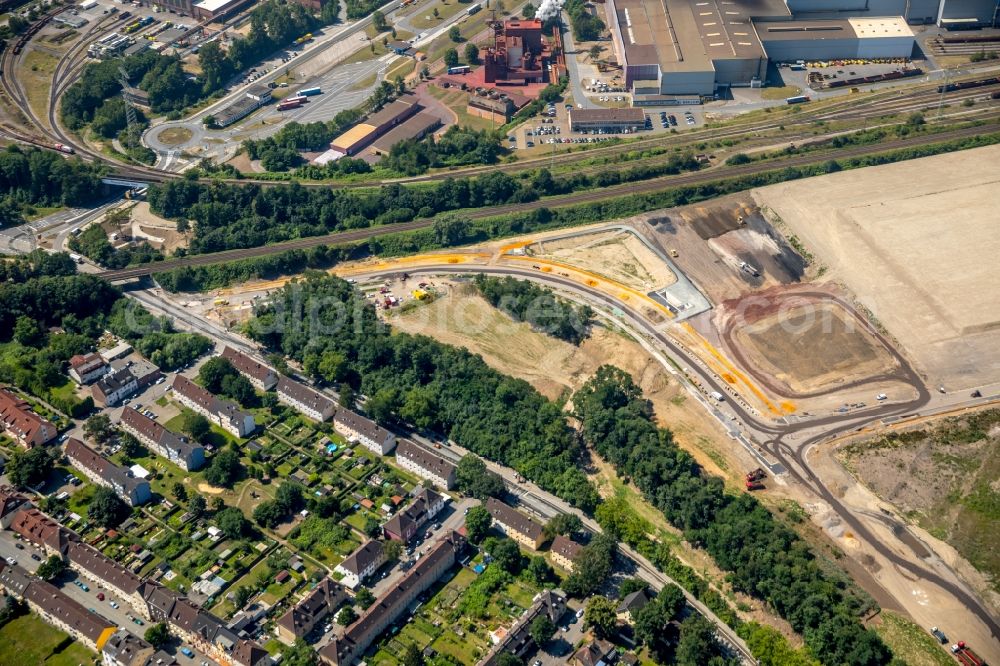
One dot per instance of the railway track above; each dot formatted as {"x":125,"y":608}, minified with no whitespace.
{"x":591,"y":196}
{"x":878,"y":104}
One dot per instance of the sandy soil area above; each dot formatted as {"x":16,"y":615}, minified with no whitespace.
{"x":160,"y":232}
{"x":812,"y":346}
{"x":615,"y":254}
{"x":945,"y":478}
{"x":917,"y":243}
{"x":557,"y":368}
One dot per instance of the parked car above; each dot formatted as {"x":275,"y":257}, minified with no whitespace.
{"x":187,"y":652}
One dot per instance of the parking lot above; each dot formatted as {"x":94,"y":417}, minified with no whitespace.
{"x":547,"y":131}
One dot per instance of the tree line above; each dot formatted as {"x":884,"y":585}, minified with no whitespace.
{"x":421,"y":381}
{"x":458,"y":146}
{"x":32,"y":177}
{"x":281,"y":151}
{"x":763,"y":558}
{"x":93,"y":243}
{"x":528,"y":302}
{"x":230,"y":216}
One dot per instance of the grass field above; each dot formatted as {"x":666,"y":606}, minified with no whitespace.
{"x":780,"y":92}
{"x":424,"y":16}
{"x":29,"y":640}
{"x":36,"y":78}
{"x":911,"y":644}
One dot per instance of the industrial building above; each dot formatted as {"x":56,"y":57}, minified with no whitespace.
{"x":256,"y":97}
{"x":671,"y":48}
{"x":214,"y":9}
{"x":518,"y":55}
{"x":363,"y":134}
{"x":614,"y":120}
{"x":416,"y":127}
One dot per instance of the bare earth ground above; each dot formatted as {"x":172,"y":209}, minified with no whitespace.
{"x":926,"y":603}
{"x":459,"y":317}
{"x":811,"y":345}
{"x":618,"y":255}
{"x":917,"y":243}
{"x":163,"y":233}
{"x":944,"y":478}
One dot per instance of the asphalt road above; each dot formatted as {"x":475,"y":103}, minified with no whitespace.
{"x":589,"y":196}
{"x":120,"y":617}
{"x":776,"y":437}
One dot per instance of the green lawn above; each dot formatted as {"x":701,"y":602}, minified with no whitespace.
{"x":29,"y":640}
{"x":423,"y":17}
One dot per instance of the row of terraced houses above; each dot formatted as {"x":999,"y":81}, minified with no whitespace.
{"x":149,"y":599}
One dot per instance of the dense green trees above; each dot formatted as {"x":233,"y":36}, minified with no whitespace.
{"x":28,"y":468}
{"x":586,"y":26}
{"x":233,"y":523}
{"x":287,"y":500}
{"x":94,"y":243}
{"x":498,"y":417}
{"x":225,"y":469}
{"x":294,"y":137}
{"x":157,"y":635}
{"x":218,"y":375}
{"x":106,"y":509}
{"x":537,"y":305}
{"x":51,"y":568}
{"x":592,"y":566}
{"x":155,"y":337}
{"x":472,"y":478}
{"x":601,"y":616}
{"x":458,"y":146}
{"x":764,"y":558}
{"x":477,"y":523}
{"x":33,"y":177}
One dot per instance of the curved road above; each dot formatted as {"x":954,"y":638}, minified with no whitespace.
{"x":792,"y":456}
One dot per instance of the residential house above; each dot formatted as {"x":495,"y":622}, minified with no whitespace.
{"x":366,"y":432}
{"x":303,"y":399}
{"x":114,"y":387}
{"x":631,"y":605}
{"x":377,"y":618}
{"x":154,"y":602}
{"x":85,"y":368}
{"x":57,"y":609}
{"x":322,"y":602}
{"x":103,"y":472}
{"x":595,"y":653}
{"x":146,"y":374}
{"x":124,"y":649}
{"x":11,"y":501}
{"x":404,"y":525}
{"x":361,"y":564}
{"x":223,"y":413}
{"x":425,"y":463}
{"x":19,"y":421}
{"x":518,"y":641}
{"x":248,"y":653}
{"x":261,"y":376}
{"x":515,"y":524}
{"x":564,"y":552}
{"x":175,"y":448}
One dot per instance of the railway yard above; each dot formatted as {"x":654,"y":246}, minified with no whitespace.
{"x":799,"y":277}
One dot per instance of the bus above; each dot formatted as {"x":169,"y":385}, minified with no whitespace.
{"x":309,"y":92}
{"x":474,"y":9}
{"x":459,"y":69}
{"x":296,"y":98}
{"x":798,"y":99}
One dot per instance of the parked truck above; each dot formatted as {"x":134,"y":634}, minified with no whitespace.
{"x":965,"y":655}
{"x":756,"y":475}
{"x":754,"y":485}
{"x":938,"y":634}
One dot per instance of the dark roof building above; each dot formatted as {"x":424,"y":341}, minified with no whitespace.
{"x":175,"y":448}
{"x":595,"y":653}
{"x":386,"y":610}
{"x":364,"y":431}
{"x":515,"y":524}
{"x":425,"y":463}
{"x":616,"y":119}
{"x":518,"y":641}
{"x":564,"y":552}
{"x":260,"y":375}
{"x":319,"y":604}
{"x":103,"y":472}
{"x":303,"y":399}
{"x":404,"y":525}
{"x":362,"y":563}
{"x":227,"y":415}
